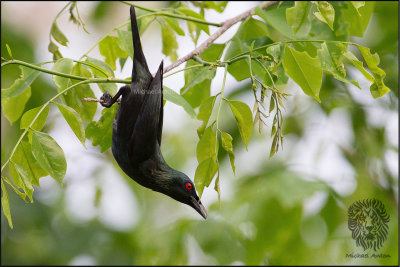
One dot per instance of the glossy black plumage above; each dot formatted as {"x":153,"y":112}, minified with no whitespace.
{"x":137,"y":131}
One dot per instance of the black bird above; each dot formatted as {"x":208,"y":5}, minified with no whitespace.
{"x":137,"y":131}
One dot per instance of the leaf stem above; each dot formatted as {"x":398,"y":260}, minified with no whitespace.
{"x":187,"y":68}
{"x":93,"y":66}
{"x":222,"y":96}
{"x":202,"y":61}
{"x":172,"y":15}
{"x":96,"y":80}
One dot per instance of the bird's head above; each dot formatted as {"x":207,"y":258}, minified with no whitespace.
{"x":182,"y":189}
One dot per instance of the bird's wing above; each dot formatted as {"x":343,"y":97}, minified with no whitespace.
{"x":148,"y":127}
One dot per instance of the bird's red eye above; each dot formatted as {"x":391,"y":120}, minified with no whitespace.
{"x":189,"y":186}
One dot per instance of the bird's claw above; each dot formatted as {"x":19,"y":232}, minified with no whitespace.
{"x":107,"y":98}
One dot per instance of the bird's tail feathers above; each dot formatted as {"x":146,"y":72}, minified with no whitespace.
{"x":139,"y":61}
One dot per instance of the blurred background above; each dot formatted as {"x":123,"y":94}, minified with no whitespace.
{"x":286,"y":210}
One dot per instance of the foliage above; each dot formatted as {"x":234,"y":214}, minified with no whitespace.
{"x":302,"y":40}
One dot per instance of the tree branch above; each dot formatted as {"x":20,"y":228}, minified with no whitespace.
{"x":225,"y":26}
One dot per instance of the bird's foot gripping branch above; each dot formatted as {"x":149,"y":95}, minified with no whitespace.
{"x":302,"y":40}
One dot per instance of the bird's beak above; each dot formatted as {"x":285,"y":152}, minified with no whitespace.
{"x":196,"y":204}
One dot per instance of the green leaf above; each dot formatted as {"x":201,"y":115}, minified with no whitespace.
{"x":110,"y":49}
{"x":53,"y":48}
{"x":74,"y":98}
{"x":250,"y":30}
{"x":358,"y":16}
{"x":218,"y":6}
{"x":198,"y":80}
{"x":173,"y":97}
{"x":106,"y":69}
{"x":277,"y":19}
{"x":357,"y":5}
{"x":143,"y":22}
{"x":49,"y":155}
{"x":63,"y":65}
{"x":297,"y":16}
{"x":273,"y":131}
{"x":193,"y":14}
{"x":244,"y":119}
{"x":306,"y":71}
{"x":359,"y":65}
{"x":74,"y":121}
{"x":276,"y":51}
{"x":125,"y":42}
{"x":14,"y":106}
{"x":112,"y":88}
{"x":168,"y":41}
{"x":21,"y":84}
{"x":206,"y":148}
{"x":326,"y":13}
{"x":205,"y":111}
{"x":204,"y":174}
{"x":273,"y":146}
{"x":101,"y":68}
{"x":194,"y":77}
{"x":174,"y":25}
{"x":217,"y":188}
{"x":23,"y":156}
{"x":227,"y":146}
{"x":309,"y":47}
{"x":331,"y":57}
{"x":58,"y":35}
{"x":21,"y":179}
{"x":194,"y":28}
{"x":194,"y":32}
{"x":195,"y":96}
{"x":378,"y":88}
{"x":101,"y":131}
{"x":271,"y":105}
{"x":19,"y":193}
{"x":5,"y":203}
{"x":28,"y":117}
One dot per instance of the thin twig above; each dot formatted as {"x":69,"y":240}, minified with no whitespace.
{"x":225,"y":26}
{"x":88,"y":99}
